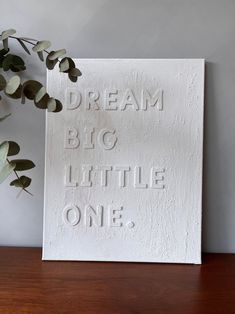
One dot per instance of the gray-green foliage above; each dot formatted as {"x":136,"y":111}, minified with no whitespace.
{"x":32,"y":90}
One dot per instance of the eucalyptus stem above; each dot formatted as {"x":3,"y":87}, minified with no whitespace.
{"x":27,"y":41}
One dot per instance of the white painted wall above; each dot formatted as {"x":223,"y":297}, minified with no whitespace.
{"x":129,"y":29}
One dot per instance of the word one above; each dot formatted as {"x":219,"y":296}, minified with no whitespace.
{"x":73,"y":215}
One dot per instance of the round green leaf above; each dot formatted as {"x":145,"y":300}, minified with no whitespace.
{"x":41,"y":98}
{"x":23,"y":182}
{"x":75,"y":72}
{"x":41,"y":45}
{"x":17,"y":64}
{"x":59,"y":106}
{"x":73,"y":78}
{"x":12,"y":85}
{"x":42,"y":104}
{"x":7,"y":33}
{"x":30,"y":88}
{"x":23,"y":164}
{"x":56,"y":54}
{"x":13,"y":63}
{"x":7,"y":62}
{"x":42,"y":92}
{"x":50,"y":64}
{"x":51,"y":104}
{"x":26,"y":181}
{"x":66,"y":64}
{"x":17,"y":94}
{"x":14,"y":148}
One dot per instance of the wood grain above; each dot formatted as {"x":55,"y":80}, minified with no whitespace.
{"x":29,"y":285}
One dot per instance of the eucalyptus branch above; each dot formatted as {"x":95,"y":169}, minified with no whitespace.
{"x":27,"y":41}
{"x":66,"y":64}
{"x":32,"y":90}
{"x":18,"y":179}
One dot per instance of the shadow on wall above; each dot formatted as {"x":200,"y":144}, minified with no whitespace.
{"x":215,"y":219}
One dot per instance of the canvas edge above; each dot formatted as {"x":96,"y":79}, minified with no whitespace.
{"x":197,"y":261}
{"x":203,"y":64}
{"x":45,"y":169}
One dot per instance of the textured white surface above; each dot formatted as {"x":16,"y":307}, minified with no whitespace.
{"x":151,"y":212}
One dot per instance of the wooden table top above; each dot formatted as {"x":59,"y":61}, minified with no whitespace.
{"x":29,"y":285}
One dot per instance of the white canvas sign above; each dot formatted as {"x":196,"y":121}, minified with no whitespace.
{"x":123,"y":179}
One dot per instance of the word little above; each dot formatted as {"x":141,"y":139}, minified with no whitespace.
{"x":87,"y":176}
